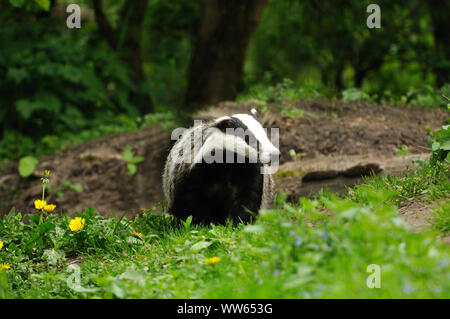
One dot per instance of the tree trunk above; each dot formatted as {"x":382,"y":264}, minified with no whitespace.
{"x":126,"y":41}
{"x":339,"y":78}
{"x":439,"y":11}
{"x":132,"y":16}
{"x":359,"y":77}
{"x":216,"y":67}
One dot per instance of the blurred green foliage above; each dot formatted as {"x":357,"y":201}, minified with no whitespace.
{"x":327,"y":43}
{"x":60,"y":87}
{"x":54,"y":83}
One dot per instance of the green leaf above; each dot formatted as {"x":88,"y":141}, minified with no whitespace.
{"x":44,"y":4}
{"x":446,"y":146}
{"x":17,"y":3}
{"x":127,"y":154}
{"x":45,"y":227}
{"x":34,"y":219}
{"x":27,"y":165}
{"x":254,"y":228}
{"x":137,"y":159}
{"x":435,"y":146}
{"x":187,"y":223}
{"x":200,"y":245}
{"x":77,"y":187}
{"x":118,"y":291}
{"x":132,"y":169}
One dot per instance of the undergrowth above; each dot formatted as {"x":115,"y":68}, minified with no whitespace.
{"x":317,"y":248}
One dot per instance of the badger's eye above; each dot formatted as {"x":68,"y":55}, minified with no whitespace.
{"x":247,"y":139}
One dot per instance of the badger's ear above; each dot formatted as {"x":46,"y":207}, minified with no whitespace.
{"x":221,"y":122}
{"x":227,"y":122}
{"x":253,"y":113}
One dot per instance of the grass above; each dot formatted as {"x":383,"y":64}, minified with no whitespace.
{"x":441,"y":218}
{"x":323,"y":247}
{"x":316,"y":248}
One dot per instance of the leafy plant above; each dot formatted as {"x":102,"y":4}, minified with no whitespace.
{"x":316,"y":248}
{"x":67,"y":185}
{"x":403,"y":151}
{"x":294,"y":155}
{"x":27,"y":165}
{"x":440,"y":144}
{"x":355,"y":94}
{"x":131,"y":160}
{"x":441,"y":218}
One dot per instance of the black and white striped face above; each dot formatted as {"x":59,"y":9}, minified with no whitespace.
{"x":244,"y":135}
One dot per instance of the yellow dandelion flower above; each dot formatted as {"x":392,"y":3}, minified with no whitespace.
{"x":77,"y":224}
{"x":39,"y":204}
{"x":49,"y":208}
{"x":212,"y":260}
{"x":140,"y":235}
{"x":5,"y":266}
{"x":47,"y":172}
{"x":1,"y":245}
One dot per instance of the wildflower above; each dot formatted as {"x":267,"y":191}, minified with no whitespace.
{"x":298,"y":241}
{"x":140,"y":235}
{"x":324,"y":235}
{"x":212,"y":261}
{"x":39,"y":204}
{"x":1,"y":245}
{"x":407,"y":288}
{"x":442,"y":262}
{"x":143,"y":210}
{"x":49,"y":208}
{"x":5,"y":266}
{"x":47,"y":173}
{"x":77,"y":224}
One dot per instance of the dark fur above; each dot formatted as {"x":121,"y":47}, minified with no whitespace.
{"x":219,"y":191}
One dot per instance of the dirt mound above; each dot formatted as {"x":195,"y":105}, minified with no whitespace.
{"x":337,"y":172}
{"x":321,"y":127}
{"x":96,"y":165}
{"x":313,"y":129}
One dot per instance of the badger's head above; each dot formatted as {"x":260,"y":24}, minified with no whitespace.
{"x":241,"y":134}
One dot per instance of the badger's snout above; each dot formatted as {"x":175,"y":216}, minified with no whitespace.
{"x":269,"y":155}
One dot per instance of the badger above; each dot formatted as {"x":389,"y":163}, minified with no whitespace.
{"x":218,"y":170}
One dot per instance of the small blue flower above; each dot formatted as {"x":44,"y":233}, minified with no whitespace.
{"x":276,"y":273}
{"x":298,"y":241}
{"x":316,"y":247}
{"x":292,"y":232}
{"x":407,"y":288}
{"x":443,"y":262}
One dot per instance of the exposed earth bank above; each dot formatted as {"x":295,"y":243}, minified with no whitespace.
{"x":321,"y":142}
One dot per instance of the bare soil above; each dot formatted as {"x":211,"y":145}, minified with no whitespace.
{"x":338,"y":143}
